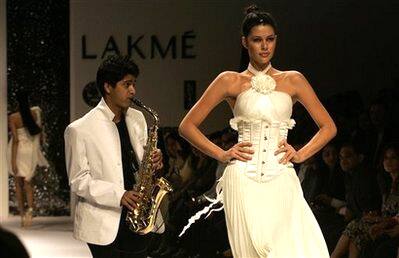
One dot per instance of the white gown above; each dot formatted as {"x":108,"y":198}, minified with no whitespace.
{"x":266,"y":213}
{"x":29,"y":154}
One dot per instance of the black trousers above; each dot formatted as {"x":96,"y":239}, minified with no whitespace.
{"x":110,"y":251}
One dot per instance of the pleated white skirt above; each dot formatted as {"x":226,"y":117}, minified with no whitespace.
{"x":269,"y":219}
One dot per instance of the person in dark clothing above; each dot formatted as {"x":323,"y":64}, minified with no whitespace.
{"x":361,"y":188}
{"x":363,"y":199}
{"x":382,"y":238}
{"x":331,"y":198}
{"x":312,"y":179}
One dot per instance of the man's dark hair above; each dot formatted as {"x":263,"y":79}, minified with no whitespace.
{"x":356,"y":146}
{"x":113,"y":69}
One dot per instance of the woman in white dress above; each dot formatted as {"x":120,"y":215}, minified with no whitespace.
{"x":24,"y":153}
{"x":266,"y":213}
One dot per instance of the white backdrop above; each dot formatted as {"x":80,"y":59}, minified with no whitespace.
{"x":3,"y":113}
{"x":214,"y":40}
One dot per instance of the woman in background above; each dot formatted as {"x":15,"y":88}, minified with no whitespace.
{"x":24,"y":153}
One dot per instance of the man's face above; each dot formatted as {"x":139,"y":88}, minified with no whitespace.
{"x":124,"y":90}
{"x":171,"y":147}
{"x":348,"y":158}
{"x":330,"y":155}
{"x":391,"y":161}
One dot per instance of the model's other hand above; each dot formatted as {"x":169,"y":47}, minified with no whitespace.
{"x":156,"y":157}
{"x":241,"y":151}
{"x":290,"y":153}
{"x":130,"y":199}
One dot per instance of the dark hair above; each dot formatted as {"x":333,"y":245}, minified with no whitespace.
{"x":113,"y":69}
{"x":26,"y":114}
{"x":185,"y":145}
{"x":254,"y":16}
{"x":394,"y":146}
{"x":356,"y":146}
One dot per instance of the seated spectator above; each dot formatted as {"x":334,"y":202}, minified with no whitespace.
{"x":179,"y":173}
{"x":360,"y":233}
{"x":333,"y":190}
{"x":332,"y":197}
{"x":362,"y":194}
{"x":384,"y":129}
{"x":208,"y":237}
{"x":311,"y":179}
{"x":383,"y":236}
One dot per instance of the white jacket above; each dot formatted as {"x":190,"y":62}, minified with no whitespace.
{"x":94,"y":165}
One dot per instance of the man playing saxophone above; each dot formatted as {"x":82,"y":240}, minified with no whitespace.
{"x":103,"y":150}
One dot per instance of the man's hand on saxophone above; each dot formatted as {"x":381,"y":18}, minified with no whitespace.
{"x":156,"y":157}
{"x":130,"y":199}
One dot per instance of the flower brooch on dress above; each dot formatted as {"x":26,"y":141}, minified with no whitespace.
{"x":263,"y":83}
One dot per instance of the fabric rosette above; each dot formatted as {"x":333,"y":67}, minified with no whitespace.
{"x":263,"y":83}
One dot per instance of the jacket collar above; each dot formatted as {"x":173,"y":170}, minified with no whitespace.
{"x":103,"y":107}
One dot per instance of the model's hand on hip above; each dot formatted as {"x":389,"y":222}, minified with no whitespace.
{"x":130,"y":199}
{"x":241,"y":151}
{"x":290,"y":153}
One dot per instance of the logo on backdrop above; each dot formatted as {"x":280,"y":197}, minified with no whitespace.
{"x":144,"y":47}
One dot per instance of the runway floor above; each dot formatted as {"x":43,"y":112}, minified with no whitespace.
{"x":49,"y":237}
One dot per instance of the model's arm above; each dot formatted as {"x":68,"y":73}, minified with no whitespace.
{"x":327,"y":129}
{"x":14,"y":145}
{"x":214,"y":94}
{"x":80,"y":179}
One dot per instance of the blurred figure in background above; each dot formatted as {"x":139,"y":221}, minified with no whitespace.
{"x":363,"y":198}
{"x":332,"y":196}
{"x":24,"y":153}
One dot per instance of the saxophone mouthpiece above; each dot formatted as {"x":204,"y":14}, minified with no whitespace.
{"x":136,"y":102}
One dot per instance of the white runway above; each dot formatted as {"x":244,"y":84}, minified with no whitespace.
{"x":49,"y":237}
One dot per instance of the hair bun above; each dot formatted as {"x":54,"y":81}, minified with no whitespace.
{"x":251,"y":9}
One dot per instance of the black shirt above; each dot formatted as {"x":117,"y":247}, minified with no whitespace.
{"x":362,"y":192}
{"x":126,"y":240}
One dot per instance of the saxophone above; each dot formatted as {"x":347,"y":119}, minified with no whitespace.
{"x":150,"y":188}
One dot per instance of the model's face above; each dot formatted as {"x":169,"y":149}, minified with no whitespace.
{"x":330,"y":155}
{"x":348,"y":159}
{"x":261,"y":43}
{"x":391,"y":161}
{"x":123,"y":92}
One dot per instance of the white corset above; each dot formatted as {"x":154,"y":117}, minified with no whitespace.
{"x":265,"y":138}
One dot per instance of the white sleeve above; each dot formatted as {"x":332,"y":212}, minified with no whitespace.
{"x":80,"y":179}
{"x":336,"y":203}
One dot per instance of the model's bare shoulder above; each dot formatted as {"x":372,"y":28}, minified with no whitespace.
{"x":295,"y":78}
{"x":229,"y":77}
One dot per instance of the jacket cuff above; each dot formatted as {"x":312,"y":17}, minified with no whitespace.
{"x":119,"y":193}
